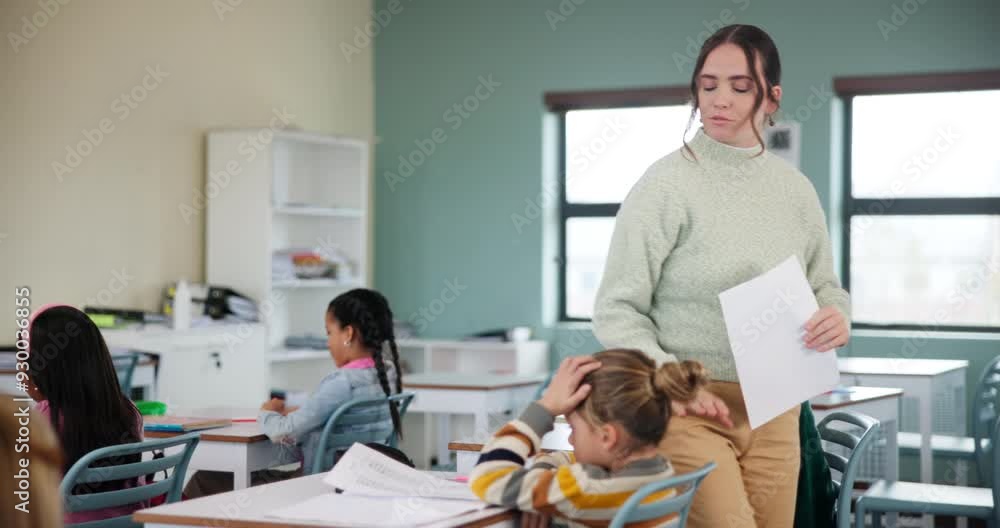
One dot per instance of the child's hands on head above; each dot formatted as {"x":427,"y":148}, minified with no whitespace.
{"x":565,"y":392}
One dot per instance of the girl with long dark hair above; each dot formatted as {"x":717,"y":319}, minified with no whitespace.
{"x":362,"y":344}
{"x":75,"y":384}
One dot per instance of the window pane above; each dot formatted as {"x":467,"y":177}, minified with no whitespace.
{"x":587,"y":242}
{"x":607,"y":150}
{"x":925,"y":145}
{"x":929,"y":270}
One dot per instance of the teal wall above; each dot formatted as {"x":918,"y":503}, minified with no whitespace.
{"x":450,"y":219}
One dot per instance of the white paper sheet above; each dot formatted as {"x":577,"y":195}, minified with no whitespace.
{"x":364,"y":471}
{"x":361,"y":511}
{"x":764,"y":319}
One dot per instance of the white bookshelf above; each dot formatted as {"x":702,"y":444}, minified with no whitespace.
{"x":314,"y":283}
{"x":302,"y":191}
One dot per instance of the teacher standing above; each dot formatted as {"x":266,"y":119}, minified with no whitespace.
{"x":716,"y":213}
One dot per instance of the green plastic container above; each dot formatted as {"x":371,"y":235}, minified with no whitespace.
{"x":151,"y":408}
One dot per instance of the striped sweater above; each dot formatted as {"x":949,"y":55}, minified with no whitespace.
{"x":583,"y":494}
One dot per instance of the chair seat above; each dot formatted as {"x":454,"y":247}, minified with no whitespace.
{"x":915,"y":497}
{"x":944,"y":445}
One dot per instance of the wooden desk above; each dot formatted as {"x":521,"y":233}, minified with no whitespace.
{"x":249,"y":508}
{"x":467,"y":453}
{"x":880,"y":403}
{"x":446,"y":393}
{"x":239,"y":449}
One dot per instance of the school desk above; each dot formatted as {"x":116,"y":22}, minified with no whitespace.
{"x":249,"y":508}
{"x":481,"y":395}
{"x":240,"y":449}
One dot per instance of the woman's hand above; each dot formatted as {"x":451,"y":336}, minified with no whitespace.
{"x":534,"y":520}
{"x":274,"y":404}
{"x":703,"y":404}
{"x":565,"y":392}
{"x":826,"y":330}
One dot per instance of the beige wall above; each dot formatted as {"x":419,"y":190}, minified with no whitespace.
{"x":120,"y":209}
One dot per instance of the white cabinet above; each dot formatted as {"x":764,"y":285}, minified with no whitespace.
{"x":299,"y":192}
{"x":475,"y":357}
{"x":219,"y":365}
{"x":443,"y":355}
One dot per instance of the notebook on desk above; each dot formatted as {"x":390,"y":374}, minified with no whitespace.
{"x":181,"y":424}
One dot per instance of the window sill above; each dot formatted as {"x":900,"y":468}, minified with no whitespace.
{"x":930,"y":334}
{"x":573,"y":325}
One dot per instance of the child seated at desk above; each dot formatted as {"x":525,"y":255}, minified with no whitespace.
{"x":618,"y":404}
{"x":359,"y":335}
{"x":72,"y":377}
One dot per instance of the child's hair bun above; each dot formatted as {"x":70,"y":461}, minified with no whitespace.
{"x":680,"y":381}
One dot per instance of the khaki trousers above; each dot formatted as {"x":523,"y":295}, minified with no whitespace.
{"x":756,"y":478}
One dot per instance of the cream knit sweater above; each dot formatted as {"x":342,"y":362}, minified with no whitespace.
{"x":693,"y":227}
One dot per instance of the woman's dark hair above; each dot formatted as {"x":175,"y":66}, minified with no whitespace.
{"x":369,"y":313}
{"x":631,"y":391}
{"x":71,"y":366}
{"x":754,"y":42}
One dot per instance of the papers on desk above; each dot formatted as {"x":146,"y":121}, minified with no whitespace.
{"x":364,"y":471}
{"x":764,"y":319}
{"x":379,"y":491}
{"x":182,"y":424}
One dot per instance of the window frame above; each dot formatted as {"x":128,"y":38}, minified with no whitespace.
{"x":846,"y":88}
{"x":559,"y":104}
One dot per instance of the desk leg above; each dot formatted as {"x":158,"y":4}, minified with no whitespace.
{"x":241,"y":472}
{"x":241,"y":479}
{"x":962,"y":479}
{"x":483,"y":424}
{"x":926,"y":455}
{"x":444,"y":433}
{"x":892,"y":462}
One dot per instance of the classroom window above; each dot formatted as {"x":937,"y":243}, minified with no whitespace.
{"x":607,"y":141}
{"x":922,"y":201}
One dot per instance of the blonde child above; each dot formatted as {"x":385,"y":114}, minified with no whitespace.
{"x":617,"y":403}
